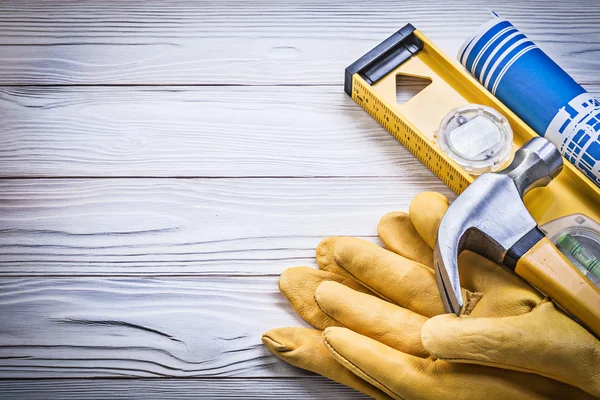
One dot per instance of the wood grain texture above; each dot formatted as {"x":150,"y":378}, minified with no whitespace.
{"x":258,"y":42}
{"x":184,"y":226}
{"x":314,"y":388}
{"x":195,"y":132}
{"x":186,"y":327}
{"x":139,"y":279}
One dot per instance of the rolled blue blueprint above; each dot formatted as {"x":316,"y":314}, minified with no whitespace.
{"x":535,"y":88}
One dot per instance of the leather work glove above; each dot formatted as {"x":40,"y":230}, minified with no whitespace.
{"x":380,"y":326}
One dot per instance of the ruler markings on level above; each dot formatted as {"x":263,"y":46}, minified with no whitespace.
{"x":419,"y":146}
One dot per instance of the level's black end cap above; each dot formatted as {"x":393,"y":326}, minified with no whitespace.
{"x":385,"y":57}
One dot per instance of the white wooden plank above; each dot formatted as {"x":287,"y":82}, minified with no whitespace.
{"x":195,"y":131}
{"x":258,"y":42}
{"x":82,"y":328}
{"x":312,"y":388}
{"x":186,"y":227}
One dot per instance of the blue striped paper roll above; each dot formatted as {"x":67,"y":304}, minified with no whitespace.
{"x":535,"y":88}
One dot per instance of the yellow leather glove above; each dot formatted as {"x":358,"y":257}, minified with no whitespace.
{"x":380,"y":315}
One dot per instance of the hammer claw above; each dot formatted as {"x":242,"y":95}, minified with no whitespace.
{"x":490,"y":218}
{"x":449,"y":286}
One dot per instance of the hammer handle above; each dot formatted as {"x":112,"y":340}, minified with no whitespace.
{"x":546,"y":268}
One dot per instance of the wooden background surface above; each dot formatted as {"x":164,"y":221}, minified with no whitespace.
{"x":161,"y":162}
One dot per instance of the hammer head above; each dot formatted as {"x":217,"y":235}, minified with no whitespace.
{"x":489,"y":217}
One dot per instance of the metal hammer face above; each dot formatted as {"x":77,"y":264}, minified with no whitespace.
{"x":490,"y":218}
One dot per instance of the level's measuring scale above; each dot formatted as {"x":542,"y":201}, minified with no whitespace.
{"x":405,"y":133}
{"x":371,"y":82}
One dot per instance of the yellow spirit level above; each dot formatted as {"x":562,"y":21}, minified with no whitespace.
{"x":371,"y":82}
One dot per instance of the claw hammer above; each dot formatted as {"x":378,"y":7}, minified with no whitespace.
{"x":490,"y":218}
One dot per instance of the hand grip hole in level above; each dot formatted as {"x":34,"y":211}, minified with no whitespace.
{"x":408,"y":86}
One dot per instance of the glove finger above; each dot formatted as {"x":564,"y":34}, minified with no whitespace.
{"x":375,"y":362}
{"x":426,"y":211}
{"x":304,"y":348}
{"x":370,"y":316}
{"x":326,"y":258}
{"x":545,"y":342}
{"x":398,"y":234}
{"x":299,"y":284}
{"x":402,"y":281}
{"x":403,"y":376}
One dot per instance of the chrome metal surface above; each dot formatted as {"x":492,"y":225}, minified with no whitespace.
{"x":534,"y":165}
{"x":489,"y":217}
